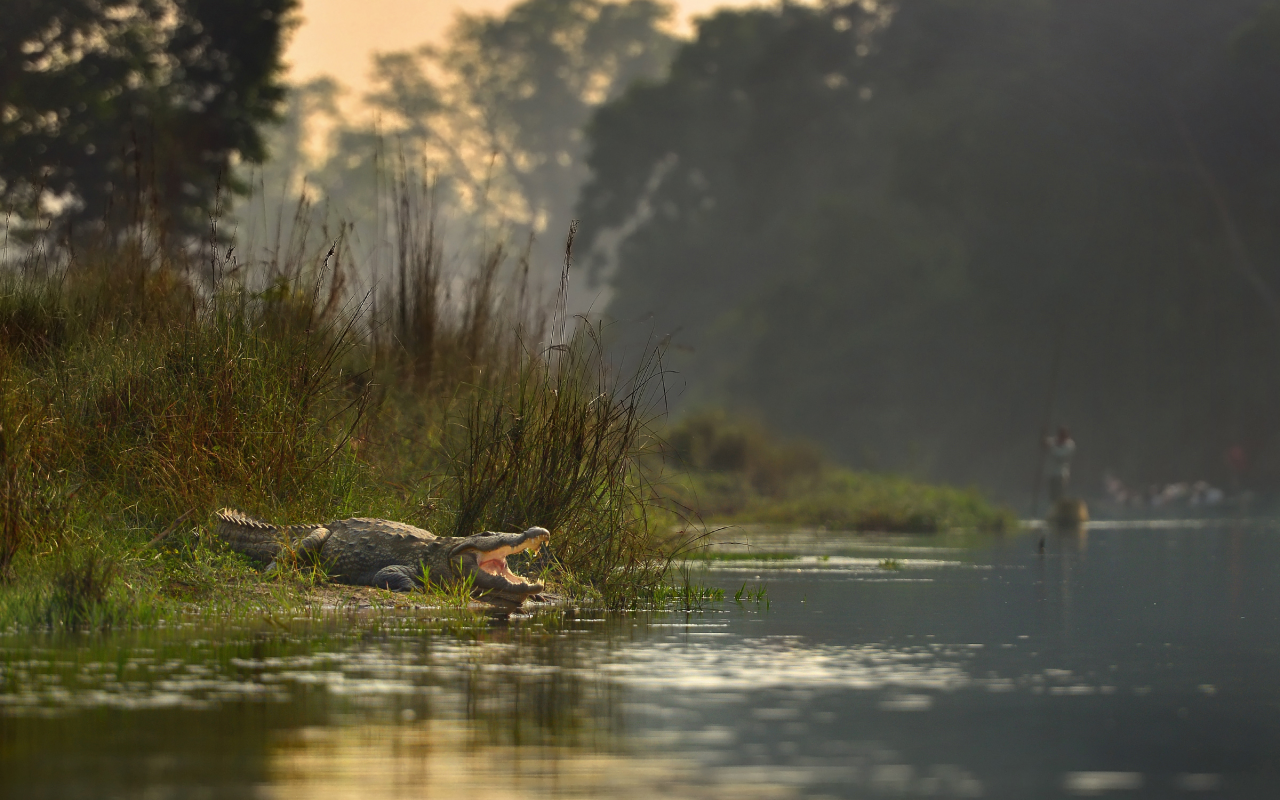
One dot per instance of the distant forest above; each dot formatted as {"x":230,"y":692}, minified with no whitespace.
{"x":879,"y":225}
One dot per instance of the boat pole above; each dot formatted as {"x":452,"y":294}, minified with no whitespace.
{"x":1042,"y":452}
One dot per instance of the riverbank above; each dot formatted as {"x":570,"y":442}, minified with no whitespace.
{"x":140,"y":392}
{"x":735,"y":471}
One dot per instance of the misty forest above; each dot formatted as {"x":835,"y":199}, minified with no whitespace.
{"x":619,"y":398}
{"x":878,"y":228}
{"x":885,"y":228}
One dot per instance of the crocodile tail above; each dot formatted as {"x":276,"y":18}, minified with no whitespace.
{"x":250,"y":536}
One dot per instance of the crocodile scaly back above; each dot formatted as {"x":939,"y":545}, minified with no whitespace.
{"x":253,"y":537}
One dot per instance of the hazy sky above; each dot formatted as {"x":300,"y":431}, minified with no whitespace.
{"x":337,"y":36}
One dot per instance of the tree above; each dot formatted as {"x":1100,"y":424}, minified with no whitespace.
{"x":130,"y":98}
{"x":871,"y":227}
{"x":495,"y":116}
{"x":528,"y":81}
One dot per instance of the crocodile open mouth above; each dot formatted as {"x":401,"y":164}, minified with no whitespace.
{"x":488,"y":563}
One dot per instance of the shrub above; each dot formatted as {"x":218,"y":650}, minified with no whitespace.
{"x":561,"y":446}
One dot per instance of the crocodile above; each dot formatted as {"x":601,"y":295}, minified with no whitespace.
{"x":392,"y":555}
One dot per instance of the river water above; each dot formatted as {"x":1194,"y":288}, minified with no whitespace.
{"x":1127,"y":661}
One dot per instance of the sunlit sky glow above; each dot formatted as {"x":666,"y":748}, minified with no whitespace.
{"x":337,"y":37}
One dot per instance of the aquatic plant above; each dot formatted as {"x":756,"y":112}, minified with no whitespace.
{"x":759,"y":594}
{"x":683,"y":594}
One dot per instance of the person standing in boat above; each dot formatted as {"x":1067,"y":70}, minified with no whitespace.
{"x":1059,"y":450}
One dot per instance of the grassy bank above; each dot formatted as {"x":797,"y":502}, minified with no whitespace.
{"x":738,"y":472}
{"x":140,"y":391}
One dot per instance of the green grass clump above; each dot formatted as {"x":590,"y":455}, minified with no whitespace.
{"x":134,"y":411}
{"x":739,"y":473}
{"x":456,"y":595}
{"x":757,"y":594}
{"x":87,"y":592}
{"x":685,"y":594}
{"x":559,"y":446}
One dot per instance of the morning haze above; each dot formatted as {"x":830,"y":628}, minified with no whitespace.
{"x":889,"y":129}
{"x":338,"y":37}
{"x":633,"y":399}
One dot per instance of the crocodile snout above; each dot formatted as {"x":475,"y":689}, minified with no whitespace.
{"x":484,"y":556}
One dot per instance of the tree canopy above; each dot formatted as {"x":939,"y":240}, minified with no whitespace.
{"x":875,"y":224}
{"x":104,"y":102}
{"x":493,"y":117}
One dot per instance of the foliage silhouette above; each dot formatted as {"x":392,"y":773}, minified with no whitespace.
{"x":134,"y":98}
{"x":877,"y":221}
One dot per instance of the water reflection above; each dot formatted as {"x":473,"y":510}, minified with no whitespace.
{"x":1134,"y":662}
{"x":444,"y":759}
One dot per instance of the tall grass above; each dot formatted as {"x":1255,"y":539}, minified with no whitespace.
{"x":518,"y":415}
{"x":172,"y":399}
{"x":438,"y":328}
{"x":561,"y":446}
{"x":142,"y":387}
{"x":30,"y":506}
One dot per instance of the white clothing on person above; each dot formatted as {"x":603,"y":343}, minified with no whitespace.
{"x":1058,"y":462}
